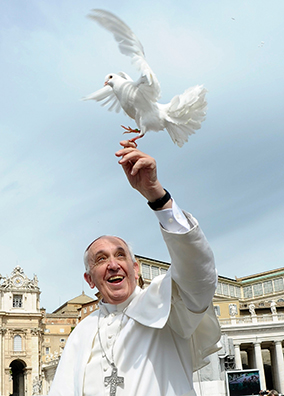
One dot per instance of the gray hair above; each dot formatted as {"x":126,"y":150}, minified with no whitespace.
{"x":86,"y":253}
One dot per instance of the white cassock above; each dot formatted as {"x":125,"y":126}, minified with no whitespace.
{"x":159,"y":336}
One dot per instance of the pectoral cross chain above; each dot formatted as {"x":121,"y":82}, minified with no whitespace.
{"x":113,"y":380}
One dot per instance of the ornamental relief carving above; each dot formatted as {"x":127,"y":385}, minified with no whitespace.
{"x":36,"y":331}
{"x":18,"y":281}
{"x":21,"y":332}
{"x":3,"y":331}
{"x":53,"y":357}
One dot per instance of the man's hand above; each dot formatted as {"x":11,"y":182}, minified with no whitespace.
{"x":141,"y":171}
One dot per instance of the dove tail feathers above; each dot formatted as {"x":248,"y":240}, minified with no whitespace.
{"x":185,"y":114}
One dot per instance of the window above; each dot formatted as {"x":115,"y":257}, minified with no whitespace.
{"x":219,"y":288}
{"x":247,"y":292}
{"x":238,"y":292}
{"x":61,"y":330}
{"x":155,"y":271}
{"x":17,"y":343}
{"x":17,"y":301}
{"x":267,"y":287}
{"x":225,"y":289}
{"x":232,"y":291}
{"x":257,"y":289}
{"x":47,"y":350}
{"x":151,"y":271}
{"x":146,"y":271}
{"x":62,"y":339}
{"x":217,"y":310}
{"x":278,"y":284}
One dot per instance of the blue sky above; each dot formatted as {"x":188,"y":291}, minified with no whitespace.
{"x":60,"y":182}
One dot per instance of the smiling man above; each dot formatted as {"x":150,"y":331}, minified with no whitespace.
{"x":144,"y":342}
{"x":111,"y":268}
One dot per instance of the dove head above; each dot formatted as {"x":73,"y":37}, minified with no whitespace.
{"x":109,"y":80}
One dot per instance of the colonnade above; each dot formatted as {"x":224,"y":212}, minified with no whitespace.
{"x":255,"y":360}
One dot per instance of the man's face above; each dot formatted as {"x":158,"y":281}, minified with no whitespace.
{"x":112,"y":270}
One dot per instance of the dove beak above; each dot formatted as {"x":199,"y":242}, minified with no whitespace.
{"x":106,"y":82}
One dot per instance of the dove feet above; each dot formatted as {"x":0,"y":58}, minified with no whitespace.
{"x":130,"y":130}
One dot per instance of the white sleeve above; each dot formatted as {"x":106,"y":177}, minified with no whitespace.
{"x":192,"y":266}
{"x":174,"y":220}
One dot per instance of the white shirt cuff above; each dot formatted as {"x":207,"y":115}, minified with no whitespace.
{"x":173,"y":219}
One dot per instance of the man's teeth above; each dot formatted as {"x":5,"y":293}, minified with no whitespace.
{"x":115,"y":278}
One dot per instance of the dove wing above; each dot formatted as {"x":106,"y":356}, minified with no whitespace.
{"x":129,"y":45}
{"x":107,"y":96}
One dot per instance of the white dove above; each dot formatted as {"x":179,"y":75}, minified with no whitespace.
{"x":181,"y":117}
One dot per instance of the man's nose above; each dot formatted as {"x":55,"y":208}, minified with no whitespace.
{"x":113,"y":264}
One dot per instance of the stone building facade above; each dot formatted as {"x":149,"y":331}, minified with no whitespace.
{"x":20,"y":335}
{"x":251,"y":314}
{"x":31,"y":340}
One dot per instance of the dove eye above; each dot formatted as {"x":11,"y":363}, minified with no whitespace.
{"x":110,"y":76}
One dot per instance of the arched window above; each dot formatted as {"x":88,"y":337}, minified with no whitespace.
{"x":17,"y":343}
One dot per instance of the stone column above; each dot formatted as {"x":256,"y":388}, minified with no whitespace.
{"x":259,"y":364}
{"x":251,"y":358}
{"x":8,"y":382}
{"x":279,"y":365}
{"x":1,"y":363}
{"x":238,"y":358}
{"x":28,"y":381}
{"x":2,"y":354}
{"x":274,"y":369}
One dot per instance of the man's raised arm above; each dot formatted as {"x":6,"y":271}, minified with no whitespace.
{"x":193,"y":266}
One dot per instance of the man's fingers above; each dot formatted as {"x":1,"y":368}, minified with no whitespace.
{"x":128,"y":147}
{"x":134,"y":160}
{"x":130,"y":154}
{"x":128,"y":143}
{"x":142,"y":163}
{"x":136,"y":156}
{"x":124,"y":151}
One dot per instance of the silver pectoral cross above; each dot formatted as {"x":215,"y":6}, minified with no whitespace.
{"x":113,"y":380}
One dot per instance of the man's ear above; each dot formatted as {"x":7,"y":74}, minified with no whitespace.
{"x":136,"y":269}
{"x":89,"y":280}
